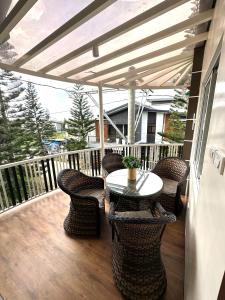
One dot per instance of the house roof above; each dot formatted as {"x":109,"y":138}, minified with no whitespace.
{"x":125,"y":107}
{"x":114,"y":43}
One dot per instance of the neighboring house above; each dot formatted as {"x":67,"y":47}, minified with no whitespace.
{"x":151,"y":121}
{"x":59,"y":125}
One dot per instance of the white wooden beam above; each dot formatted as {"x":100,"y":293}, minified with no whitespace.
{"x":162,"y":80}
{"x":163,"y":73}
{"x":152,"y":71}
{"x":184,"y":74}
{"x":83,"y":16}
{"x":146,"y":16}
{"x":194,"y":21}
{"x":47,"y":76}
{"x":53,"y":77}
{"x":151,"y":68}
{"x":15,"y":15}
{"x":163,"y":87}
{"x":184,"y":43}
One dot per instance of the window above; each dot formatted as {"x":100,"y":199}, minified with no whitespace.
{"x":151,"y":128}
{"x":206,"y":109}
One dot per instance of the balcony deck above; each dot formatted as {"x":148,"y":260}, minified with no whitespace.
{"x":39,"y":261}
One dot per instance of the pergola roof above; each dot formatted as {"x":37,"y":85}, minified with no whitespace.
{"x":112,"y":43}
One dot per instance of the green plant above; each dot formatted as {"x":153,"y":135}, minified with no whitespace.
{"x":131,"y":162}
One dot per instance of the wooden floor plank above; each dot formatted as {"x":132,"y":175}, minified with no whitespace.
{"x":38,"y":261}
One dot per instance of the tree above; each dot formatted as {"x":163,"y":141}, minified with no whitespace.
{"x":178,"y":109}
{"x":38,"y":126}
{"x":81,"y":121}
{"x":11,"y":118}
{"x":7,"y":52}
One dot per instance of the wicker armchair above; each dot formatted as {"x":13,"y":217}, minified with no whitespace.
{"x":138,"y":270}
{"x":87,"y":196}
{"x":174,"y":172}
{"x":112,"y":162}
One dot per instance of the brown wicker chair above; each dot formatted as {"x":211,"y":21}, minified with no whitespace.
{"x":174,"y":172}
{"x":112,"y":162}
{"x":87,"y":196}
{"x":138,"y":270}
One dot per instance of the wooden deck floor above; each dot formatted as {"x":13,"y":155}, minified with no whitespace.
{"x":39,"y":262}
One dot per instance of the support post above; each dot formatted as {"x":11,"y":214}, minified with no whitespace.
{"x":101,"y":121}
{"x":131,"y":113}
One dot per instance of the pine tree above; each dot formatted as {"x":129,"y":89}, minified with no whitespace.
{"x":7,"y":52}
{"x":81,"y":121}
{"x":179,"y":107}
{"x":38,"y":126}
{"x":11,"y":118}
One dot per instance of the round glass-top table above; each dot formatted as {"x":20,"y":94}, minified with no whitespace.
{"x":147,"y":184}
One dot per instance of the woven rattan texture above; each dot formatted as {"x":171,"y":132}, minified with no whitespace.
{"x":175,"y":169}
{"x":112,"y":162}
{"x":83,"y":218}
{"x":138,"y":270}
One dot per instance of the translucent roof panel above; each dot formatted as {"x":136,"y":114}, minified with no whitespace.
{"x":148,"y":78}
{"x":69,"y":54}
{"x":8,"y":5}
{"x":158,"y":24}
{"x":106,"y":20}
{"x":154,"y":60}
{"x":41,"y":20}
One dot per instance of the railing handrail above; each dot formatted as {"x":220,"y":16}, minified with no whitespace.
{"x":30,"y":160}
{"x":24,"y":180}
{"x":141,"y":145}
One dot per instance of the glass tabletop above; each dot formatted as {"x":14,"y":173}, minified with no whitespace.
{"x":146,"y":184}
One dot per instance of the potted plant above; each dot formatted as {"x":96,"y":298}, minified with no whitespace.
{"x":131,"y":163}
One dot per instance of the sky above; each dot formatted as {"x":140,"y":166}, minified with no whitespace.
{"x":58,"y":103}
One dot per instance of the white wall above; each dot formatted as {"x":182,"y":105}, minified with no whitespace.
{"x":159,"y":126}
{"x":144,"y":126}
{"x":205,"y":227}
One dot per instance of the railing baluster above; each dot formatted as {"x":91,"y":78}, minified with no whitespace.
{"x":53,"y":172}
{"x":6,"y":200}
{"x":70,"y":163}
{"x":9,"y":183}
{"x":36,"y":179}
{"x":77,"y":160}
{"x":49,"y":174}
{"x":40,"y":177}
{"x":23,"y":183}
{"x":17,"y":192}
{"x":1,"y":202}
{"x":44,"y":174}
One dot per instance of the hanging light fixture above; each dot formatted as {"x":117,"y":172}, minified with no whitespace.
{"x":95,"y":51}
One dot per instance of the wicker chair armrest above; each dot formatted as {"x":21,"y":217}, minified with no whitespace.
{"x":75,"y":196}
{"x":112,"y":208}
{"x":165,"y":216}
{"x":96,"y":181}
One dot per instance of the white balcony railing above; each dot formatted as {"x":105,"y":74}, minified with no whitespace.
{"x":24,"y":180}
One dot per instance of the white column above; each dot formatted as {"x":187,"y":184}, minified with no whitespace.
{"x":131,"y":113}
{"x":144,"y":126}
{"x":101,"y":121}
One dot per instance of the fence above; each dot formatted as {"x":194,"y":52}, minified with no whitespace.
{"x":25,"y":180}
